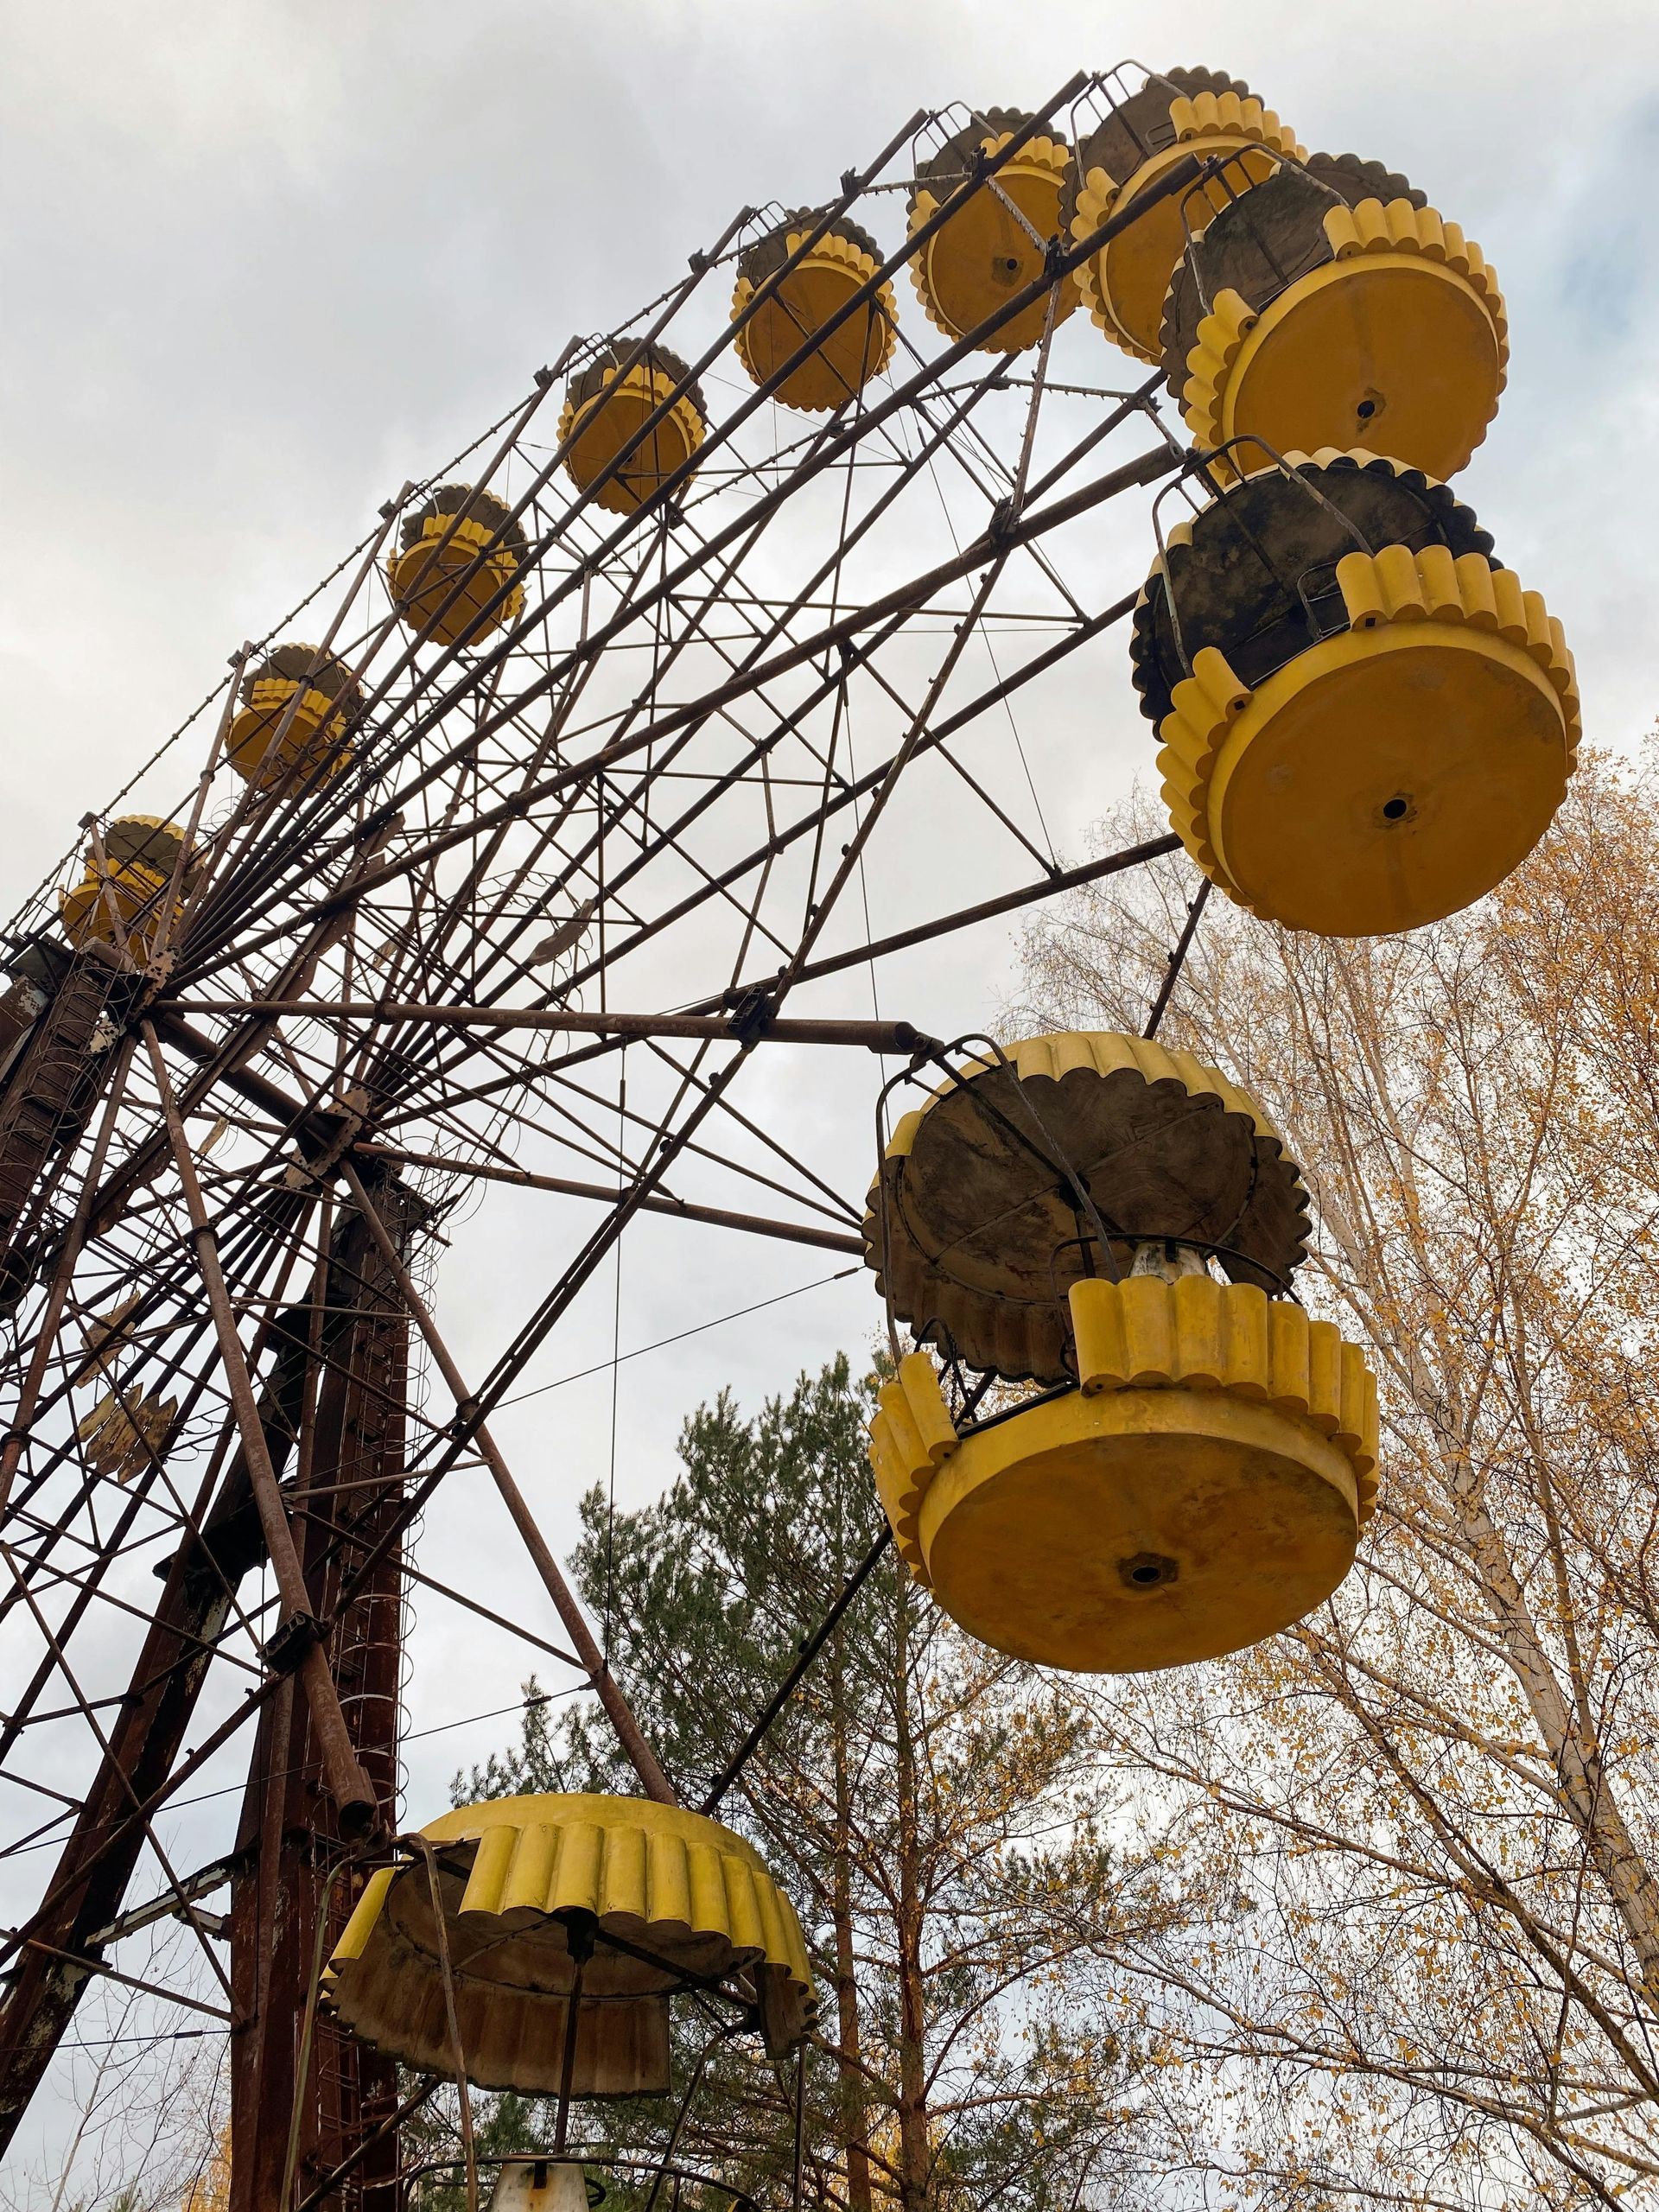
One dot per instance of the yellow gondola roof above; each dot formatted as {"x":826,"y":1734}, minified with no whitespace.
{"x":147,"y":839}
{"x":942,"y":172}
{"x":680,"y":1897}
{"x":482,"y":507}
{"x":1234,"y":569}
{"x":297,"y":663}
{"x":1139,"y":125}
{"x":767,"y":254}
{"x":970,"y":1225}
{"x":1352,"y":178}
{"x":588,"y":381}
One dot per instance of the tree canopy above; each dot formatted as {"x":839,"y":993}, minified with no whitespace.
{"x":1368,"y":1913}
{"x":1437,"y":1794}
{"x":930,"y":1807}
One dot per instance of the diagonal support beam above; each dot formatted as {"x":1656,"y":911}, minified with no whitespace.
{"x":790,"y":1232}
{"x":870,"y":1036}
{"x":618,"y":1711}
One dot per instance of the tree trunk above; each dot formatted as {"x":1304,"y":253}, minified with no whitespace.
{"x":1587,"y":1791}
{"x":914,"y":2149}
{"x":854,"y":2109}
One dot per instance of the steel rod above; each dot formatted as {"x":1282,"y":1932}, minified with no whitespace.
{"x":1177,"y":958}
{"x":58,"y":1291}
{"x":1145,"y":469}
{"x":808,"y":1651}
{"x":128,"y":1980}
{"x":825,"y":1239}
{"x":191,"y":1764}
{"x":786,"y":610}
{"x":618,"y":1711}
{"x":89,"y":1714}
{"x":932,"y":736}
{"x":848,"y":795}
{"x":330,"y":2182}
{"x":987,"y":910}
{"x":872,"y":1036}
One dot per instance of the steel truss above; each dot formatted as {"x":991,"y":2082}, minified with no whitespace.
{"x":668,"y":781}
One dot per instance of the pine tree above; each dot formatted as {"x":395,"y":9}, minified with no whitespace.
{"x":927,"y":1803}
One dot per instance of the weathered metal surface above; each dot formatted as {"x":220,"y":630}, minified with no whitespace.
{"x":348,"y":1488}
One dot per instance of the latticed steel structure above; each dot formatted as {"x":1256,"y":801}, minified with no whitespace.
{"x":626,"y":708}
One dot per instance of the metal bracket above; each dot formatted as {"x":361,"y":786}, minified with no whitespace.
{"x":285,"y":1649}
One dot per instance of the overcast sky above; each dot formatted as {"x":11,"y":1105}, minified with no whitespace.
{"x":263,"y":263}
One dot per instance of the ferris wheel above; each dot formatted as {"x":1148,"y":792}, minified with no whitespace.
{"x":600,"y":738}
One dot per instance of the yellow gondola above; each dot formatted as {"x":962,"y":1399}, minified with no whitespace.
{"x":268,"y":745}
{"x":1181,"y":113}
{"x":1365,"y":722}
{"x":122,"y":903}
{"x":606,"y":405}
{"x":794,"y":306}
{"x":1331,"y":306}
{"x":1201,"y":1478}
{"x":994,"y":243}
{"x":458,"y":552}
{"x":550,"y":1897}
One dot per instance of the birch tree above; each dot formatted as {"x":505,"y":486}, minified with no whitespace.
{"x":1435,"y":1800}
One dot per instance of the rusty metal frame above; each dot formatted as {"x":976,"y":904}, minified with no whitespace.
{"x":258,"y":1007}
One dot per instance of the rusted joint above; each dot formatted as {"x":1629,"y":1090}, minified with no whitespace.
{"x":906,"y":1037}
{"x":384,"y":822}
{"x":284,"y":1649}
{"x":349,"y":1122}
{"x":751,"y":1017}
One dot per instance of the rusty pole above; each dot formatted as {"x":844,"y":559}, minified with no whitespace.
{"x":349,"y":1786}
{"x":870,"y":1036}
